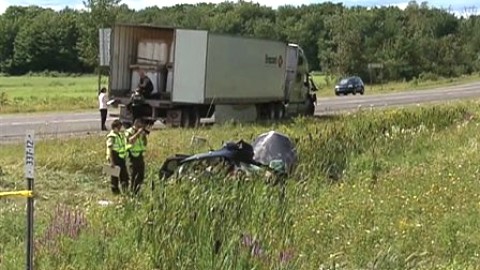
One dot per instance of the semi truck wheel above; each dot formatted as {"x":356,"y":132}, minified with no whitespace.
{"x":195,"y":117}
{"x":269,"y":111}
{"x":280,"y":111}
{"x":190,"y":117}
{"x":262,"y":111}
{"x":185,"y":118}
{"x":310,"y":109}
{"x":276,"y":111}
{"x":272,"y":111}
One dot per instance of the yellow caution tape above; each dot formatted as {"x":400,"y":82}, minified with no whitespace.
{"x":21,"y":193}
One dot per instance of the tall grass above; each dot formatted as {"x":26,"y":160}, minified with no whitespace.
{"x":377,"y":190}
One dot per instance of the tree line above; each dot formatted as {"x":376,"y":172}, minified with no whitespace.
{"x":419,"y":41}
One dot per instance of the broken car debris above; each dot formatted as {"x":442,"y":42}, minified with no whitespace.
{"x":271,"y":151}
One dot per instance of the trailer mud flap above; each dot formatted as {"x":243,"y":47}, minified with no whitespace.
{"x":174,"y":118}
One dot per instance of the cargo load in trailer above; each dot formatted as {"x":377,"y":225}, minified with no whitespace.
{"x":199,"y":74}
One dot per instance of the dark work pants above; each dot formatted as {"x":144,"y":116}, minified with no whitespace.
{"x":103,"y":116}
{"x":123,"y":179}
{"x":137,"y":169}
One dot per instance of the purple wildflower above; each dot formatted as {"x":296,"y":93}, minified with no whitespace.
{"x":65,"y":223}
{"x":253,"y":245}
{"x":286,"y":256}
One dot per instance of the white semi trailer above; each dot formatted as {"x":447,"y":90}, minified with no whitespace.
{"x":199,"y":74}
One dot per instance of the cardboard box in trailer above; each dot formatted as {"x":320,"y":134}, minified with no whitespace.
{"x":196,"y":73}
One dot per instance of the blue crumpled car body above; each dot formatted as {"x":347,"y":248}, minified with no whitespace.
{"x":271,"y":150}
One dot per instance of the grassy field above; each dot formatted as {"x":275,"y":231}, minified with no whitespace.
{"x":38,"y":94}
{"x":44,"y":94}
{"x":405,"y":197}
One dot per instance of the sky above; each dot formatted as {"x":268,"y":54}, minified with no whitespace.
{"x":458,"y":6}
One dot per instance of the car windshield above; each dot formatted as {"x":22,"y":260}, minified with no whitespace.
{"x":344,"y":81}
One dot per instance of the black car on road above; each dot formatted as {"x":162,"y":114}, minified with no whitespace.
{"x":350,"y":85}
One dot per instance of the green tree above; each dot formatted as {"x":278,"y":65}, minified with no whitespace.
{"x":47,"y":43}
{"x":12,"y":20}
{"x":100,"y":14}
{"x":417,"y":42}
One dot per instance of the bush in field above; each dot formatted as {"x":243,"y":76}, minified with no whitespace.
{"x":3,"y":99}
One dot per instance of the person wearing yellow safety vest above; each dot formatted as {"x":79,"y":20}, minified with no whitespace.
{"x":136,"y":146}
{"x":116,"y":155}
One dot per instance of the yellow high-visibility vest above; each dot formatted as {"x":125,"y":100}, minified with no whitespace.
{"x":118,"y":144}
{"x":136,"y":148}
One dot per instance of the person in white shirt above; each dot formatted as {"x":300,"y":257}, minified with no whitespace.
{"x":102,"y":105}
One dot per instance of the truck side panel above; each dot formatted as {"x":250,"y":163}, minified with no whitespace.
{"x":189,"y":66}
{"x":244,"y":70}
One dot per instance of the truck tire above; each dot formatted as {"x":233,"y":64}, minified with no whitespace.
{"x":185,"y":118}
{"x":190,"y":117}
{"x":263,"y":111}
{"x":280,"y":107}
{"x":272,"y":111}
{"x":310,"y":110}
{"x":276,"y":111}
{"x":195,"y":116}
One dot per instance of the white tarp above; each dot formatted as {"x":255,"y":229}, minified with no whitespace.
{"x":273,"y":146}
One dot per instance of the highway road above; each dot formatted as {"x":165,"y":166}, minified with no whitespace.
{"x":13,"y":127}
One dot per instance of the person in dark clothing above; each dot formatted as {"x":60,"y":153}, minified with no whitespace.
{"x":136,"y":137}
{"x":116,"y":155}
{"x":145,"y":85}
{"x":138,"y":107}
{"x":102,"y":106}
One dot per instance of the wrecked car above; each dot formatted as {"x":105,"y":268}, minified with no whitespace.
{"x":272,"y":152}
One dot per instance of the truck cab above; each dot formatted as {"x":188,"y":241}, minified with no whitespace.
{"x":299,"y":86}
